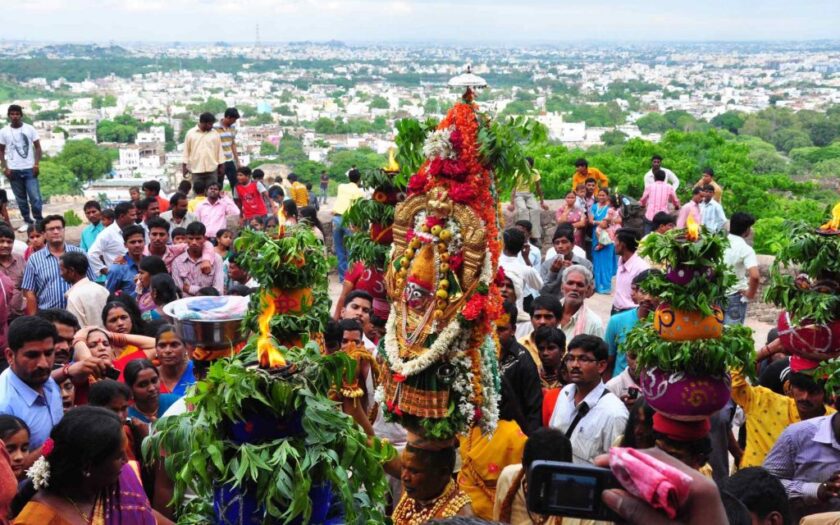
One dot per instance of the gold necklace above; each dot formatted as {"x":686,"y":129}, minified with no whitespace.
{"x":445,"y":506}
{"x":84,"y":516}
{"x":151,"y":417}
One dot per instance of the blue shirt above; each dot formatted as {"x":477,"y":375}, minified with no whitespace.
{"x":164,"y":403}
{"x":187,"y":380}
{"x":41,"y":412}
{"x":121,"y":277}
{"x":617,"y":329}
{"x":89,"y":235}
{"x":42,"y":277}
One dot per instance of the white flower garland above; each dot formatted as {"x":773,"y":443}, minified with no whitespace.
{"x":451,"y":339}
{"x":490,"y":408}
{"x":438,"y":145}
{"x":39,"y":473}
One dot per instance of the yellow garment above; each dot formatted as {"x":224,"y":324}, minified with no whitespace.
{"x":531,"y":347}
{"x":526,"y":183}
{"x":483,"y":459}
{"x":824,"y":518}
{"x":591,"y":173}
{"x":193,"y":203}
{"x":37,"y":513}
{"x":347,"y":193}
{"x":203,"y":151}
{"x":299,"y":194}
{"x":718,"y":189}
{"x":767,"y":413}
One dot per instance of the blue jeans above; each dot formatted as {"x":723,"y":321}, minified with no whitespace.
{"x":25,"y":185}
{"x":324,"y":194}
{"x":339,"y":232}
{"x":736,"y":310}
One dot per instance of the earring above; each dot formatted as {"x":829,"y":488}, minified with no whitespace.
{"x":86,"y":474}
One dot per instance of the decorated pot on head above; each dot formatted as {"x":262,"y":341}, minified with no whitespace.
{"x":682,"y":325}
{"x":817,"y":342}
{"x":683,"y":275}
{"x":682,"y":396}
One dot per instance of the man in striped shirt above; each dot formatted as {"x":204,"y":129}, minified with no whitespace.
{"x":42,"y":284}
{"x":227,"y":132}
{"x":656,"y":198}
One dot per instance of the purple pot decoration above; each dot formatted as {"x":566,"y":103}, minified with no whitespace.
{"x":682,"y":396}
{"x":259,"y":428}
{"x":682,"y":275}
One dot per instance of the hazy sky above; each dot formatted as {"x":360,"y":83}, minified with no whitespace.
{"x":420,"y":20}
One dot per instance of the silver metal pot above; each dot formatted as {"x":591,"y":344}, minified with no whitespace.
{"x":211,"y":334}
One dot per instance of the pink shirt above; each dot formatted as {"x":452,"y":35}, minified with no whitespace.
{"x":690,"y":208}
{"x":656,"y":199}
{"x":188,"y":270}
{"x":174,"y":250}
{"x":214,"y":215}
{"x":627,"y":271}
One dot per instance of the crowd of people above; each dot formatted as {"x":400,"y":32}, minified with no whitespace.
{"x":93,"y":361}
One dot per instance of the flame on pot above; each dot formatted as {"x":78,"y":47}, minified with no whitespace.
{"x":692,"y":229}
{"x":269,"y":356}
{"x":834,"y":223}
{"x":392,"y":166}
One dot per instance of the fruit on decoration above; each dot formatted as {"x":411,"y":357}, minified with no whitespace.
{"x":683,"y":325}
{"x":683,"y":396}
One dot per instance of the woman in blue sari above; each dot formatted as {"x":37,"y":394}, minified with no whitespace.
{"x":603,"y":248}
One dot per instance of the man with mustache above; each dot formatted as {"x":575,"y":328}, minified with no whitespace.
{"x":26,"y":388}
{"x":577,"y":319}
{"x":178,"y":215}
{"x":768,"y":414}
{"x":586,"y":412}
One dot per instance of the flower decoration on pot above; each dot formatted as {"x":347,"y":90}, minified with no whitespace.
{"x":266,"y":443}
{"x":684,"y":350}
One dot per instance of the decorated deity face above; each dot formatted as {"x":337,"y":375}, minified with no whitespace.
{"x":417,"y":297}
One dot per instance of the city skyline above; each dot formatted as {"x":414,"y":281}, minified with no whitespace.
{"x":469,"y":21}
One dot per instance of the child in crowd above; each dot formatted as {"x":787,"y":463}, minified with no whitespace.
{"x":256,"y":223}
{"x":580,"y":202}
{"x":35,"y":239}
{"x":259,"y":177}
{"x":602,"y":233}
{"x":250,"y":195}
{"x":179,"y":236}
{"x":276,"y":196}
{"x":4,"y":212}
{"x":313,"y":199}
{"x":134,"y":194}
{"x":224,"y":240}
{"x":108,"y":217}
{"x":184,"y":187}
{"x":271,"y":223}
{"x":15,"y":435}
{"x":200,"y":189}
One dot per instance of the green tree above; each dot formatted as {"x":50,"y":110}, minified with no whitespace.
{"x":365,"y":159}
{"x":111,"y":131}
{"x":432,"y":106}
{"x":57,"y":179}
{"x":51,"y":114}
{"x":309,"y":171}
{"x":614,"y":137}
{"x":212,"y":105}
{"x":290,"y":151}
{"x":84,"y":159}
{"x":284,"y":110}
{"x":260,"y":119}
{"x":267,"y":148}
{"x":246,"y":110}
{"x":518,"y":107}
{"x":653,"y":123}
{"x":379,"y":102}
{"x":730,"y":120}
{"x":787,"y":139}
{"x":107,"y":101}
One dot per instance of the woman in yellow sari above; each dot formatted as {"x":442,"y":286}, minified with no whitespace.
{"x":483,"y":457}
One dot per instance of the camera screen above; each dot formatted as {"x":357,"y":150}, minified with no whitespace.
{"x":569,"y":491}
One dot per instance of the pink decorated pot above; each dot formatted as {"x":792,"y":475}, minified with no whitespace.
{"x":681,"y":325}
{"x":682,"y":396}
{"x":817,"y":342}
{"x":682,"y":275}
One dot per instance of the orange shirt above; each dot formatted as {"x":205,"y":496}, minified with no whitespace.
{"x":593,"y":173}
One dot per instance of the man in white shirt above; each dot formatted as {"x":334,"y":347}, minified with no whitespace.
{"x":590,"y":415}
{"x":741,"y":258}
{"x":85,"y":299}
{"x":109,"y":244}
{"x":20,"y":154}
{"x":577,"y":319}
{"x":510,"y":260}
{"x":712,"y":212}
{"x":656,"y":164}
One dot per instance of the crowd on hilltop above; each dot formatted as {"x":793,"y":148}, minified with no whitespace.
{"x":93,"y":360}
